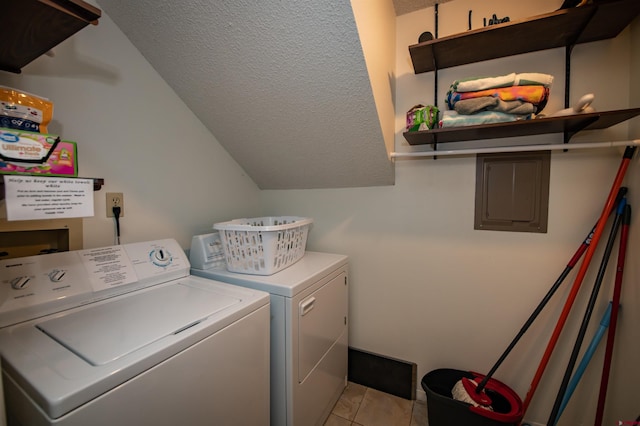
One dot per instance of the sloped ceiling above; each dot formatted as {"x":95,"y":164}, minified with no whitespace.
{"x":281,"y":84}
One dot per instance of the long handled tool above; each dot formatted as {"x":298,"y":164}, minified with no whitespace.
{"x":617,"y":289}
{"x":553,"y":417}
{"x":586,"y":358}
{"x":476,"y":392}
{"x":617,"y":183}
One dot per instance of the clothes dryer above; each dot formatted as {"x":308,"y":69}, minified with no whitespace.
{"x":309,"y":328}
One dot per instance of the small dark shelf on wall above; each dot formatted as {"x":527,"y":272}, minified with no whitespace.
{"x":598,"y":21}
{"x":603,"y":19}
{"x":566,"y":124}
{"x":33,"y":27}
{"x":97,"y":183}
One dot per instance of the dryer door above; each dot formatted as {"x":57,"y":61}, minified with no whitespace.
{"x":322,"y":318}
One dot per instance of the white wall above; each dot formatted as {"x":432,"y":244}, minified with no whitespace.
{"x":427,"y":288}
{"x":133,"y":131}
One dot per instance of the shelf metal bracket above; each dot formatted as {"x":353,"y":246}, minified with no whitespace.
{"x":567,"y":85}
{"x":435,"y":62}
{"x":435,"y":76}
{"x":567,"y":70}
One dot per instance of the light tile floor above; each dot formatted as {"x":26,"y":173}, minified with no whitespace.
{"x":362,"y":406}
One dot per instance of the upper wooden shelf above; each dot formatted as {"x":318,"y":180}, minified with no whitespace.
{"x":569,"y":124}
{"x":602,"y":20}
{"x":33,"y":27}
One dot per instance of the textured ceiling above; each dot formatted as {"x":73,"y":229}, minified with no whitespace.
{"x":283,"y":86}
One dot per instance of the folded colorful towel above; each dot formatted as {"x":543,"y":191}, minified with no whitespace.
{"x":490,"y":103}
{"x":453,"y":119}
{"x":537,"y":95}
{"x":482,"y":83}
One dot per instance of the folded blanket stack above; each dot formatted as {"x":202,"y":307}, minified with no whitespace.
{"x":496,"y":99}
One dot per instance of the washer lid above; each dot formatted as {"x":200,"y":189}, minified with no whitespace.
{"x":110,"y":331}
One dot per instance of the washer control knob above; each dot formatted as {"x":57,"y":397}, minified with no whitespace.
{"x":161,"y":257}
{"x":56,"y":275}
{"x":19,"y":283}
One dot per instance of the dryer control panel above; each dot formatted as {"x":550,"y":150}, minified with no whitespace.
{"x":40,"y":285}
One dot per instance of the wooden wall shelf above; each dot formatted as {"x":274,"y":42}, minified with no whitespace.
{"x":31,"y":28}
{"x":570,"y":124}
{"x":599,"y":21}
{"x":563,"y":28}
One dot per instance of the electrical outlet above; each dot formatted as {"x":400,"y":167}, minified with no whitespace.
{"x":115,"y":199}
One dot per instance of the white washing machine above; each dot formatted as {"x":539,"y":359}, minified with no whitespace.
{"x":309,"y":330}
{"x":124,"y":335}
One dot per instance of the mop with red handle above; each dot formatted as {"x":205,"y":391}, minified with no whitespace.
{"x":617,"y":289}
{"x":617,"y":183}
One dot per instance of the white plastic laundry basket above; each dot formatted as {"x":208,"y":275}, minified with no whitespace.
{"x":263,"y":245}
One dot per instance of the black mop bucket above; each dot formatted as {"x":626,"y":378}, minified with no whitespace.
{"x":443,"y":410}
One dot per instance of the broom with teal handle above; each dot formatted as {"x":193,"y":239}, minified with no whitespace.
{"x":586,"y":358}
{"x":553,"y":418}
